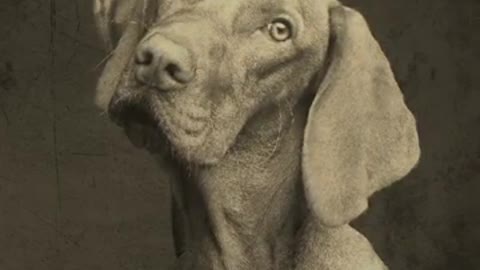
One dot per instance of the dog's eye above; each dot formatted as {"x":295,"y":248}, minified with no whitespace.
{"x":280,"y":29}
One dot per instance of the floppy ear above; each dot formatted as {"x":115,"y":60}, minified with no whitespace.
{"x":118,"y":55}
{"x":360,"y":137}
{"x":121,"y":24}
{"x":111,"y":18}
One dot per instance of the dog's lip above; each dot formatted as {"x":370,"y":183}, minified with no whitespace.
{"x":157,"y":122}
{"x":139,"y":133}
{"x":189,"y":124}
{"x":172,"y":137}
{"x":143,"y":136}
{"x":176,"y":129}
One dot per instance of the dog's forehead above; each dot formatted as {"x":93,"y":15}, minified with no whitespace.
{"x":229,"y":9}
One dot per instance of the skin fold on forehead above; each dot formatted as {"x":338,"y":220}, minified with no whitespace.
{"x":230,"y":10}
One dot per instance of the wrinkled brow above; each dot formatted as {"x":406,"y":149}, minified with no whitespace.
{"x":251,"y":13}
{"x":173,"y":8}
{"x":192,"y":2}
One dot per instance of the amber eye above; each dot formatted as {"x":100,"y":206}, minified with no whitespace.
{"x":280,"y":29}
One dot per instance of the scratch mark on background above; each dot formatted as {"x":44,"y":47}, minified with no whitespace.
{"x":4,"y":113}
{"x":77,"y":30}
{"x":53,"y":26}
{"x":66,"y":237}
{"x":7,"y":82}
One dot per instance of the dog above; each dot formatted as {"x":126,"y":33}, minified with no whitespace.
{"x":278,"y":119}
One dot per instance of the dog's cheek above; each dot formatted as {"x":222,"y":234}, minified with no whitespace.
{"x":278,"y":86}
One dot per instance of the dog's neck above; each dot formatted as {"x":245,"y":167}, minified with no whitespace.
{"x":246,"y":209}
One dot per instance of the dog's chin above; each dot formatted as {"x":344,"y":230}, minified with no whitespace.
{"x":185,"y":148}
{"x":186,"y":134}
{"x":195,"y":149}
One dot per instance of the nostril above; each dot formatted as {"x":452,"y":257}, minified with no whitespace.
{"x":144,"y":57}
{"x":173,"y":71}
{"x":179,"y":73}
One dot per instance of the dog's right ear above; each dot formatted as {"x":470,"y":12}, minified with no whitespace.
{"x":360,"y":136}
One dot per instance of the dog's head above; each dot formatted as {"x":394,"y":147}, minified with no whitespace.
{"x":193,"y":72}
{"x":200,"y":69}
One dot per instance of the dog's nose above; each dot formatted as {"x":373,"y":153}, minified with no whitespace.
{"x":162,"y":63}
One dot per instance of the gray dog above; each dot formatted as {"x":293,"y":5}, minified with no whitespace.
{"x":279,"y":118}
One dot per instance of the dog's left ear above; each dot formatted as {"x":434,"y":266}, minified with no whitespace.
{"x":121,"y":24}
{"x":111,"y":19}
{"x":128,"y":31}
{"x":360,"y":137}
{"x":113,"y":16}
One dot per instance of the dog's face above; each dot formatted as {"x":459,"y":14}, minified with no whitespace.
{"x":194,"y":72}
{"x":204,"y":68}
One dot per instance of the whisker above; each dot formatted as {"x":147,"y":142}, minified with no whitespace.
{"x":104,"y":59}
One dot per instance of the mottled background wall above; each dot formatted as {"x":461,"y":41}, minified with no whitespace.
{"x":75,"y":195}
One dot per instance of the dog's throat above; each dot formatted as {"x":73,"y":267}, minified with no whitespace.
{"x":246,"y":209}
{"x":254,"y":219}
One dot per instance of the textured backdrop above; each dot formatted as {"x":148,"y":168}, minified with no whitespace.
{"x":75,"y":195}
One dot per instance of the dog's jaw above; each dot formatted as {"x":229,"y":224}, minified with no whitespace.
{"x":184,"y":125}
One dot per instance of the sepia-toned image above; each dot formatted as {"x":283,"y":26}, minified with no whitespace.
{"x":239,"y":134}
